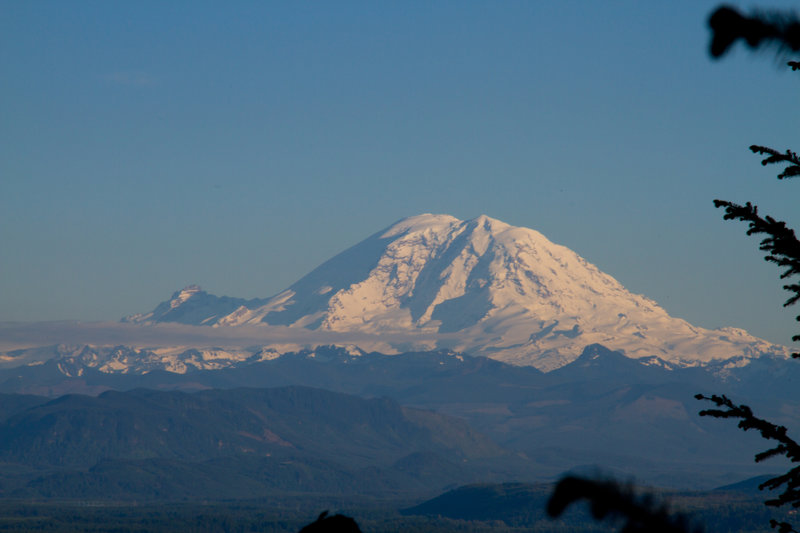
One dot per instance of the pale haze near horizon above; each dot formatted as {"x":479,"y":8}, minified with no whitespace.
{"x":147,"y":146}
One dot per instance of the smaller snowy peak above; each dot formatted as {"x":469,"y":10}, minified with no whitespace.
{"x":193,"y":305}
{"x":351,"y":349}
{"x":73,"y":360}
{"x":175,"y":301}
{"x":184,"y":294}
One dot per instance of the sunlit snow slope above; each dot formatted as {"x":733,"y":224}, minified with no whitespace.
{"x":486,"y":288}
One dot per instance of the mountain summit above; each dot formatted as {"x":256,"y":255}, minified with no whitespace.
{"x":480,"y":286}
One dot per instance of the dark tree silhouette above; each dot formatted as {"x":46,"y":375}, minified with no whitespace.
{"x":786,"y":446}
{"x":609,"y":500}
{"x":781,"y":244}
{"x":337,"y":523}
{"x":760,"y":30}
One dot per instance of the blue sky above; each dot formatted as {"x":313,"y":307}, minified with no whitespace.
{"x":148,"y":145}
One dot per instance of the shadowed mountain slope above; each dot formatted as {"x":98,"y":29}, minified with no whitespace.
{"x":231,"y":443}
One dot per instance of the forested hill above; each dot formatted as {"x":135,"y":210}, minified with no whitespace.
{"x":235,"y":443}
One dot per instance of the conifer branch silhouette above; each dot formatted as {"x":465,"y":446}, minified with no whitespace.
{"x":786,"y":446}
{"x":782,"y":527}
{"x":762,"y":29}
{"x":777,"y":157}
{"x":610,"y":500}
{"x":781,"y":243}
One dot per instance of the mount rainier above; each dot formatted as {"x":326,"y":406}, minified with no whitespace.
{"x":478,"y":286}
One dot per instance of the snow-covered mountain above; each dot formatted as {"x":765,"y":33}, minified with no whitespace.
{"x":479,"y":286}
{"x":192,"y":305}
{"x":72,"y":361}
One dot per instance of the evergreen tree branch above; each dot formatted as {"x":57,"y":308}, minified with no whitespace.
{"x":609,"y":500}
{"x":774,"y":156}
{"x":781,"y":244}
{"x":787,"y":446}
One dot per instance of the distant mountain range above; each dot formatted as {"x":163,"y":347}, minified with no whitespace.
{"x":239,"y":443}
{"x":630,"y":416}
{"x":478,"y":286}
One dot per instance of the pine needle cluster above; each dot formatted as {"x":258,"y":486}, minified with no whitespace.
{"x":786,"y":446}
{"x":781,"y":243}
